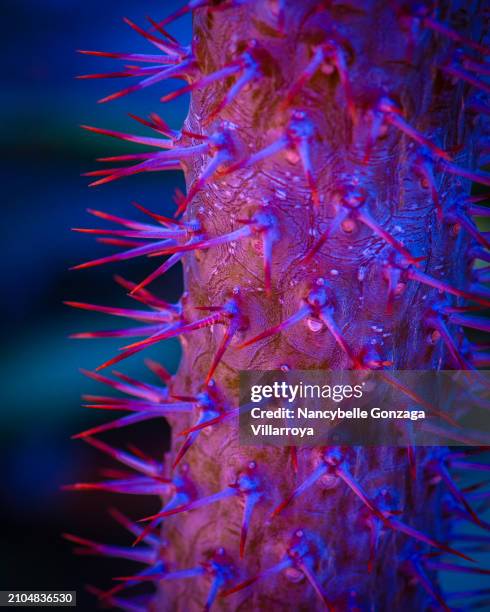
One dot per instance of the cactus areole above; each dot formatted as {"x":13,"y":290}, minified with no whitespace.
{"x":329,"y":153}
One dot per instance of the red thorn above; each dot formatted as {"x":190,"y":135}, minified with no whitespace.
{"x":295,"y":318}
{"x":314,"y":476}
{"x":442,"y":286}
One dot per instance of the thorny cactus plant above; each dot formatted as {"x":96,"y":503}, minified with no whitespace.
{"x":329,"y":153}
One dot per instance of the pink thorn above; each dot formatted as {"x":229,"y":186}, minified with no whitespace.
{"x":137,"y":383}
{"x":188,"y":8}
{"x":109,"y":172}
{"x":150,"y":234}
{"x":225,"y":343}
{"x":139,"y":453}
{"x":247,"y":77}
{"x":398,"y":122}
{"x":162,"y":31}
{"x":243,"y":232}
{"x":132,"y":527}
{"x":442,"y":286}
{"x":122,"y":404}
{"x":472,"y":230}
{"x":120,"y":158}
{"x":118,"y":358}
{"x":470,"y":465}
{"x":416,"y":398}
{"x":118,"y":424}
{"x":310,"y":481}
{"x":146,"y":532}
{"x":357,"y":489}
{"x":267,"y":243}
{"x":282,"y":565}
{"x":167,"y":47}
{"x":458,"y":495}
{"x":147,"y":249}
{"x":199,"y":503}
{"x":312,"y":579}
{"x":209,"y":423}
{"x":478,"y":198}
{"x":208,"y":79}
{"x":127,"y":244}
{"x":132,"y":57}
{"x":130,"y":332}
{"x":441,"y":327}
{"x":307,"y":74}
{"x":138,"y":315}
{"x":303,"y":312}
{"x":188,"y":442}
{"x":479,"y":323}
{"x":146,"y":297}
{"x":129,"y":486}
{"x":125,"y":458}
{"x":106,"y":399}
{"x":205,"y":176}
{"x":160,"y":271}
{"x":241,"y":586}
{"x":177,"y":331}
{"x":159,"y":370}
{"x":478,"y":67}
{"x":366,"y":218}
{"x":151,"y":142}
{"x":341,"y":65}
{"x":436,"y":26}
{"x":422,"y":577}
{"x":113,"y":75}
{"x":119,"y":220}
{"x":250,"y":502}
{"x":153,"y":164}
{"x":303,"y":149}
{"x":276,"y":147}
{"x":145,"y":556}
{"x":481,"y":360}
{"x":327,"y":318}
{"x":479,"y":211}
{"x":340,"y":217}
{"x":158,"y":125}
{"x":176,"y":71}
{"x":185,"y":398}
{"x":166,"y":221}
{"x":137,"y":417}
{"x":464,"y":75}
{"x":151,"y":394}
{"x":452,"y":567}
{"x":417,"y":535}
{"x":293,"y":450}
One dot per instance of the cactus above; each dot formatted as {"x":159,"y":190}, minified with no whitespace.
{"x":329,"y":154}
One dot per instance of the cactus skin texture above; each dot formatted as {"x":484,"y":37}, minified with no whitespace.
{"x":329,"y":154}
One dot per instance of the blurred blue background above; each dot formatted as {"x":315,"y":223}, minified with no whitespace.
{"x":43,"y":154}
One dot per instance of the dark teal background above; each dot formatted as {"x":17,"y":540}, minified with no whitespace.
{"x":43,"y":154}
